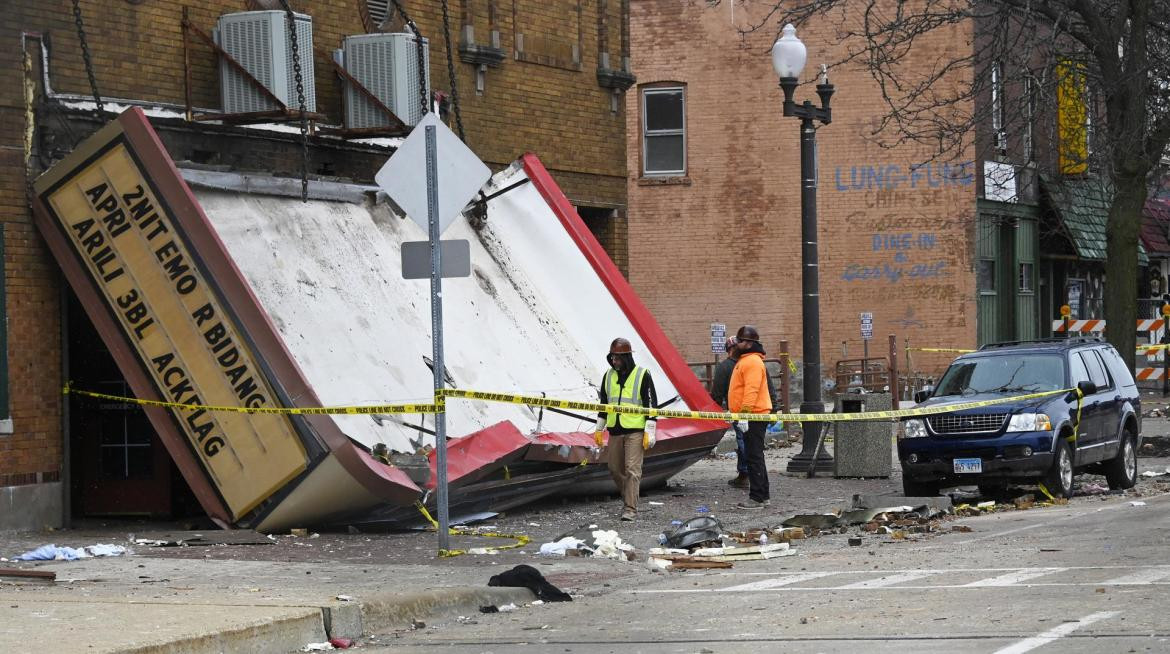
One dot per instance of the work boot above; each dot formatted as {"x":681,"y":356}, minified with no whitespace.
{"x":628,"y":515}
{"x":752,"y":504}
{"x":739,"y":482}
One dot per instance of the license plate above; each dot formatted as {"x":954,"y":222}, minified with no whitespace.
{"x":965,"y":466}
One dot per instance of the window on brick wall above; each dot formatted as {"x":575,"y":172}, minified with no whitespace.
{"x":664,"y":139}
{"x":997,"y":100}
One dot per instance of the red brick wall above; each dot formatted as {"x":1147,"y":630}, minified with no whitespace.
{"x":725,"y":245}
{"x":561,"y":114}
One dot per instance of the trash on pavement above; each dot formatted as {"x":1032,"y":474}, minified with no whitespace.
{"x":1137,"y":503}
{"x":341,"y":643}
{"x":696,"y":532}
{"x":489,"y":609}
{"x":526,"y":576}
{"x":54,"y":553}
{"x":317,"y":647}
{"x":608,"y":544}
{"x":507,"y":608}
{"x":345,"y":598}
{"x":750,"y":553}
{"x":208,"y":537}
{"x":813,"y":520}
{"x":1092,"y":488}
{"x":562,"y":546}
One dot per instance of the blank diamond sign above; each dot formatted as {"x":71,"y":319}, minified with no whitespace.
{"x":460,"y":174}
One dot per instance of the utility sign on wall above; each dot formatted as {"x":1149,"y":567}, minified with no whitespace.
{"x":718,"y":335}
{"x":867,"y":326}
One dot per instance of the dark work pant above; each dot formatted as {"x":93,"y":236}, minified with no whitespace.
{"x":753,"y":442}
{"x":740,"y":455}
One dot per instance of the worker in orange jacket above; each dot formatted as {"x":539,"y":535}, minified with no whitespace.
{"x":748,"y":393}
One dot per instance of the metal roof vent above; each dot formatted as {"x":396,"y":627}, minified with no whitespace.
{"x":387,"y":66}
{"x":259,"y":41}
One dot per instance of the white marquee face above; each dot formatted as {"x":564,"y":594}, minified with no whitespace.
{"x":534,"y":317}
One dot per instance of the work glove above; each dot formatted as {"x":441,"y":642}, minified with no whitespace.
{"x":648,"y":436}
{"x":742,"y":426}
{"x":599,"y":432}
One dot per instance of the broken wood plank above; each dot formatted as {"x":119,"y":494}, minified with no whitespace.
{"x":37,"y":576}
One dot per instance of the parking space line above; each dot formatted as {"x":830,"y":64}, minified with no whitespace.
{"x":1013,"y":578}
{"x":1056,"y":633}
{"x":777,"y":582}
{"x":1140,"y":578}
{"x":889,"y":580}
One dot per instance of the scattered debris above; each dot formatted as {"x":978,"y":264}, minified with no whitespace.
{"x":489,"y":609}
{"x":30,"y":576}
{"x":193,"y":538}
{"x":855,"y":541}
{"x":1137,"y":503}
{"x":341,"y":643}
{"x":655,"y":503}
{"x":317,"y":647}
{"x":54,"y":553}
{"x":508,"y":608}
{"x":417,"y":624}
{"x":696,"y":532}
{"x":299,"y":532}
{"x":526,"y":576}
{"x":1151,"y":473}
{"x":563,"y":546}
{"x":344,"y":598}
{"x":750,"y":553}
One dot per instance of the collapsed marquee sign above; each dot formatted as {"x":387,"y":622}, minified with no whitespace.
{"x":189,"y":322}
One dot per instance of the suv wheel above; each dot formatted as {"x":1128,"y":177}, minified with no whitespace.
{"x":1058,"y":481}
{"x":1121,"y":471}
{"x":918,"y":489}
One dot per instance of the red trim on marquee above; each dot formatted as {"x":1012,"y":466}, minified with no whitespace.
{"x":681,"y":376}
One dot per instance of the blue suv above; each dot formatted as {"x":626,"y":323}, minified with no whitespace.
{"x":1026,"y":441}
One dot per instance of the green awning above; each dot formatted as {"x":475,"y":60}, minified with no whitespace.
{"x":1082,"y":206}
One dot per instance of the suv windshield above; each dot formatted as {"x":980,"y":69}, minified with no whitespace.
{"x":1003,"y":374}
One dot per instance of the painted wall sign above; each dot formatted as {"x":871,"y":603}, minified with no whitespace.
{"x":868,"y":177}
{"x":105,"y":204}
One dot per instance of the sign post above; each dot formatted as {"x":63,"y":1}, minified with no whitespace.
{"x":866,"y":337}
{"x":437,"y":337}
{"x":463,"y":174}
{"x":1165,"y":353}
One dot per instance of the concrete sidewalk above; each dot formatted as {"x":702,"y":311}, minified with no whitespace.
{"x":141,"y":604}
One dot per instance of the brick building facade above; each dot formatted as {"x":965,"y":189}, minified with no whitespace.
{"x":718,"y":240}
{"x":533,"y":75}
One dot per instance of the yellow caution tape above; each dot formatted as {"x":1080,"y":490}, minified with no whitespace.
{"x":939,"y":349}
{"x":1044,"y":489}
{"x":510,"y":398}
{"x":521,"y":539}
{"x":439,"y":406}
{"x":791,"y":365}
{"x":1152,"y":347}
{"x":436,"y":407}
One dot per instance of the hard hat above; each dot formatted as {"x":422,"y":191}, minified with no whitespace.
{"x":747,"y":333}
{"x":620,"y":346}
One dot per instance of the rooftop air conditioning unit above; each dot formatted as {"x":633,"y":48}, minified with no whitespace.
{"x":259,"y":41}
{"x":387,"y":65}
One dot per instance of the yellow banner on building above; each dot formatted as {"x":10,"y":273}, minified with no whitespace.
{"x":1072,"y":117}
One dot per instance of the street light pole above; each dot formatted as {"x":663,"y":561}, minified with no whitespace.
{"x":788,"y":57}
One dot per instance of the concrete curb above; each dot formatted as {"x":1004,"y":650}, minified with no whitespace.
{"x":270,"y":636}
{"x":400,"y":610}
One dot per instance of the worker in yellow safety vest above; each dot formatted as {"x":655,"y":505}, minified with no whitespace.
{"x":629,"y":434}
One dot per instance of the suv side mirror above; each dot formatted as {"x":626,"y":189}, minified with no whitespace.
{"x":922,"y":395}
{"x":1087,"y":387}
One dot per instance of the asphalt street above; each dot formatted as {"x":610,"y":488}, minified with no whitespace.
{"x":1091,"y":576}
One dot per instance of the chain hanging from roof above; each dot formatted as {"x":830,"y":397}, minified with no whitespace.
{"x":296,"y":58}
{"x":451,"y":72}
{"x":93,"y":87}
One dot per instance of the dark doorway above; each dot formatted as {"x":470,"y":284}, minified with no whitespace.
{"x":119,"y":465}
